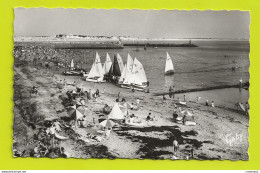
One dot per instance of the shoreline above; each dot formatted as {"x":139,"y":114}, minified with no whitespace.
{"x":152,"y":141}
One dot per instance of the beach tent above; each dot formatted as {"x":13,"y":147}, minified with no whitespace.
{"x":107,"y":65}
{"x":106,"y":123}
{"x":76,"y":111}
{"x":127,"y":105}
{"x":60,"y":85}
{"x":96,"y":72}
{"x":123,"y":109}
{"x":187,"y":113}
{"x":169,"y":69}
{"x":116,"y":113}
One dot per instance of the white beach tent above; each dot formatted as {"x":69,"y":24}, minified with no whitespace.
{"x":107,"y":65}
{"x":116,"y":113}
{"x":169,"y":69}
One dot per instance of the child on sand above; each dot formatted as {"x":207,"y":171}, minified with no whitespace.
{"x":212,"y":104}
{"x":198,"y":99}
{"x":207,"y":103}
{"x":137,"y":102}
{"x":164,"y":99}
{"x":148,"y":118}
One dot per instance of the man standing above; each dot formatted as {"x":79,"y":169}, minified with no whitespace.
{"x":175,"y":145}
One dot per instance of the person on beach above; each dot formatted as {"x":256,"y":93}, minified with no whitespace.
{"x":132,"y":88}
{"x":123,"y":100}
{"x":95,"y":97}
{"x":240,"y":83}
{"x":64,"y":82}
{"x":170,"y":89}
{"x":207,"y":103}
{"x":184,"y":98}
{"x":175,"y":145}
{"x":137,"y":102}
{"x":212,"y":104}
{"x":173,"y":91}
{"x":97,"y":93}
{"x":148,"y":118}
{"x":164,"y":99}
{"x":108,"y":131}
{"x":192,"y":152}
{"x":132,"y":106}
{"x":198,"y":99}
{"x":170,"y":92}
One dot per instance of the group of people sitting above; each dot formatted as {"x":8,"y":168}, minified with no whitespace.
{"x":212,"y":104}
{"x":150,"y":117}
{"x":183,"y":116}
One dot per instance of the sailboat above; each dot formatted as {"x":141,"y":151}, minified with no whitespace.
{"x":72,"y":71}
{"x":107,"y":65}
{"x":120,"y":62}
{"x":96,"y":73}
{"x":127,"y":68}
{"x":169,"y":69}
{"x":136,"y":77}
{"x":72,"y":65}
{"x":115,"y":69}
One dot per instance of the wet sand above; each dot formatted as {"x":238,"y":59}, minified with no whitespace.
{"x":219,"y":133}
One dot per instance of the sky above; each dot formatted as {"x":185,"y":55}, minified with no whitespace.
{"x":134,"y":23}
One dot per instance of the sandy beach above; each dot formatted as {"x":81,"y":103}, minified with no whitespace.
{"x":220,"y":133}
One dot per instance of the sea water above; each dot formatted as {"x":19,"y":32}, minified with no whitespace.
{"x":209,"y":64}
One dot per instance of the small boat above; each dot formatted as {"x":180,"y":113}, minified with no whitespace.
{"x":169,"y":69}
{"x":135,"y":76}
{"x":72,"y":73}
{"x":96,"y":73}
{"x":120,"y":62}
{"x":107,"y":65}
{"x":72,"y":65}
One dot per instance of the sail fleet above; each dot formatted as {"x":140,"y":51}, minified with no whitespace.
{"x":130,"y":75}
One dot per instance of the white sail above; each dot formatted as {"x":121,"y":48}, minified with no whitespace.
{"x":120,"y":62}
{"x":123,"y":75}
{"x":96,"y":69}
{"x":72,"y":64}
{"x":168,"y":64}
{"x":129,"y":63}
{"x":139,"y":71}
{"x":137,"y":75}
{"x":107,"y":64}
